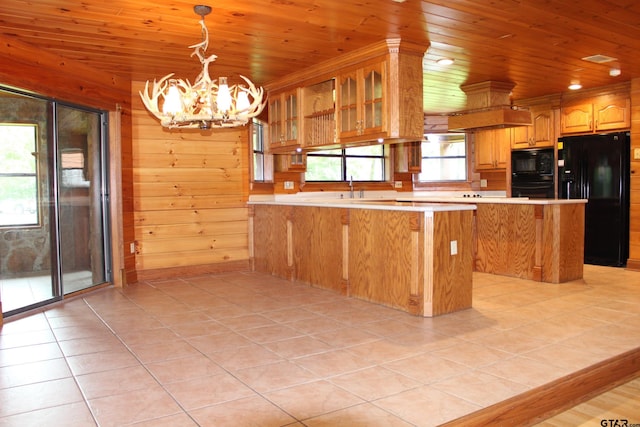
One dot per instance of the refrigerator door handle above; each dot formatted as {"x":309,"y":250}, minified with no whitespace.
{"x":586,"y":187}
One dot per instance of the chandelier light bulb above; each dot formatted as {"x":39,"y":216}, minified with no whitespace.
{"x":223,"y":102}
{"x":172,"y":100}
{"x":243,"y":102}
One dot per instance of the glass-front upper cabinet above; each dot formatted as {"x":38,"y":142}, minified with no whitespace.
{"x":361,"y":98}
{"x":284,"y":116}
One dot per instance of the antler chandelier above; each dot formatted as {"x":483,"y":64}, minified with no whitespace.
{"x":207,"y":103}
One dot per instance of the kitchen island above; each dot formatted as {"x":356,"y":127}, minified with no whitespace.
{"x":413,"y":256}
{"x":535,"y":239}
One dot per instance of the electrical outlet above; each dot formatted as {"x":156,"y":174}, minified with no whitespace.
{"x":397,"y":184}
{"x":454,"y":247}
{"x":636,"y":154}
{"x":132,"y":247}
{"x":288,"y":185}
{"x":483,"y":183}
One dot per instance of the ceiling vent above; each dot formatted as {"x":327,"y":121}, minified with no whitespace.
{"x":488,"y":107}
{"x":599,"y":59}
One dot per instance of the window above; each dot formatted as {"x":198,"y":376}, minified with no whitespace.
{"x":258,"y":151}
{"x":357,"y":163}
{"x":444,"y":157}
{"x":18,"y":175}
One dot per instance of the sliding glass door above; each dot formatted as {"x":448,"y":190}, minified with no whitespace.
{"x":53,"y":201}
{"x":81,"y":224}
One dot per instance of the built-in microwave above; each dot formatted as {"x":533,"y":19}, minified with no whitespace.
{"x":535,"y":161}
{"x":532,"y":173}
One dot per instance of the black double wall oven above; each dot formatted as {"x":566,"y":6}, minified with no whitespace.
{"x":532,"y":173}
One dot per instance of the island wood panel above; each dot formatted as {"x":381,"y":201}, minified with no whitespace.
{"x":634,"y":199}
{"x":634,"y":215}
{"x":380,"y":255}
{"x":317,"y":247}
{"x":563,"y":243}
{"x":270,"y":242}
{"x":506,"y":236}
{"x":451,"y":287}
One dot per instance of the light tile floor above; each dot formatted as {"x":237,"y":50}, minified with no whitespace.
{"x":247,"y":349}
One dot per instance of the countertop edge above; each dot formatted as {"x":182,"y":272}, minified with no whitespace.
{"x":372,"y":204}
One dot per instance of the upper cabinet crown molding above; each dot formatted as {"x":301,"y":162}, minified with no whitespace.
{"x":351,"y":60}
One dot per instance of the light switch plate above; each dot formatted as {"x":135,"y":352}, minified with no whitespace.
{"x":454,"y":247}
{"x":636,"y":154}
{"x":397,"y":184}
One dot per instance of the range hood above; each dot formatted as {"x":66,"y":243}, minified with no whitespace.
{"x":488,"y":108}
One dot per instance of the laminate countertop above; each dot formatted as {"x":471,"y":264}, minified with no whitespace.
{"x":380,"y":204}
{"x":413,"y":203}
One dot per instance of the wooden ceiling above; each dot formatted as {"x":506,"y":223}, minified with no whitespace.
{"x":536,"y":44}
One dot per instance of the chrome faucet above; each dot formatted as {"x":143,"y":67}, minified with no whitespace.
{"x":351,"y":187}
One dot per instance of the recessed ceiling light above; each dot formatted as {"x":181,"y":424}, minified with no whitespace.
{"x":614,"y":72}
{"x":445,"y":61}
{"x":575,"y":86}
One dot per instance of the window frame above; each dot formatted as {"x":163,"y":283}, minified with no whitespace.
{"x":257,"y":135}
{"x":344,"y":157}
{"x":444,"y":181}
{"x":35,"y":175}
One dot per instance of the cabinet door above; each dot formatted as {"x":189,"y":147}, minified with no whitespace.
{"x":361,"y":103}
{"x":484,"y":158}
{"x":502,"y":151}
{"x":542,"y":129}
{"x":521,"y":137}
{"x":348,"y":105}
{"x":492,"y":149}
{"x":578,"y":118}
{"x":371,"y":113}
{"x":612,"y":115}
{"x":290,"y":118}
{"x":276,"y":131}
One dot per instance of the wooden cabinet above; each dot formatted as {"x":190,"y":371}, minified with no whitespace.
{"x":349,"y":250}
{"x":290,"y":162}
{"x":372,"y":93}
{"x":612,"y":115}
{"x":596,"y":116}
{"x":361,"y":102}
{"x":284,"y":114}
{"x":539,"y":134}
{"x":319,"y":111}
{"x":492,"y":149}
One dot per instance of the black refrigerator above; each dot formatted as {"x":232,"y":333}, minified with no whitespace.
{"x":596,"y":168}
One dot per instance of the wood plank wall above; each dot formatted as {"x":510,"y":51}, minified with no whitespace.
{"x":190,"y":188}
{"x":634,"y":210}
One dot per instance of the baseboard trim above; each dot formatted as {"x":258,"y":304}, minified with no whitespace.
{"x":545,"y":401}
{"x":192,"y":270}
{"x":633,"y":264}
